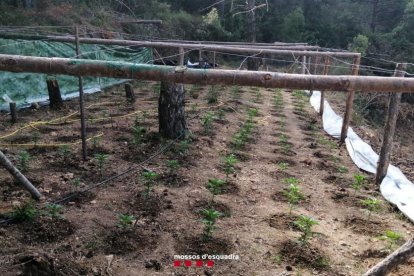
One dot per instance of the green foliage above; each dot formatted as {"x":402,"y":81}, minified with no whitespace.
{"x":291,"y":181}
{"x":138,"y":133}
{"x":95,"y":142}
{"x":293,"y":26}
{"x":125,"y":221}
{"x":221,"y":113}
{"x":393,"y":239}
{"x":172,"y":165}
{"x":213,"y":94}
{"x":294,"y":195}
{"x":305,"y":224}
{"x":101,"y":158}
{"x":360,"y":44}
{"x":149,"y":180}
{"x":283,"y":166}
{"x":215,"y":186}
{"x":35,"y":137}
{"x":23,"y":160}
{"x":76,"y":182}
{"x":359,"y":181}
{"x":209,"y":220}
{"x":342,"y":169}
{"x":372,"y":204}
{"x":207,"y":123}
{"x":24,"y":212}
{"x":54,"y":210}
{"x":65,"y":153}
{"x":229,"y":162}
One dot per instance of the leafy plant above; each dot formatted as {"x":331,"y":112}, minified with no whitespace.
{"x":305,"y":224}
{"x":172,"y":165}
{"x":215,"y":186}
{"x":359,"y":181}
{"x":229,"y":162}
{"x":393,"y":239}
{"x":209,"y":220}
{"x":54,"y":210}
{"x":101,"y":159}
{"x":76,"y":182}
{"x":183,"y":147}
{"x":221,"y":113}
{"x":23,"y":160}
{"x":294,"y":195}
{"x":212,"y":95}
{"x":207,"y":122}
{"x":149,"y":180}
{"x":342,"y":169}
{"x":125,"y":221}
{"x":291,"y":180}
{"x":96,"y":141}
{"x":35,"y":137}
{"x":235,"y":91}
{"x":65,"y":152}
{"x":138,"y":133}
{"x":283,"y":166}
{"x":372,"y":204}
{"x":24,"y":212}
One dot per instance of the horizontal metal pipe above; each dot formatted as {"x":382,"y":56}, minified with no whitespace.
{"x":125,"y":70}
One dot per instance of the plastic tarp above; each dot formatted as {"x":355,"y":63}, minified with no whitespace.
{"x":26,"y":88}
{"x":395,"y":187}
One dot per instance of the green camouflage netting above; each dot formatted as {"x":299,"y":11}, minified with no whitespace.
{"x":26,"y":88}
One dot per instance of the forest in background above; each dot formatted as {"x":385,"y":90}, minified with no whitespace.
{"x":380,"y":27}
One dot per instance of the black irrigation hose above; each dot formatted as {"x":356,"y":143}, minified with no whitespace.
{"x":73,"y":195}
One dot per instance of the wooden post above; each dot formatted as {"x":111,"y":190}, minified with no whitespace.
{"x":81,"y":103}
{"x":317,"y":61}
{"x":309,"y":59}
{"x":5,"y":162}
{"x":181,"y":60}
{"x":13,"y":112}
{"x":400,"y":256}
{"x":55,"y":98}
{"x":389,"y":129}
{"x":214,"y":60}
{"x":325,"y":72}
{"x":349,"y":102}
{"x":304,"y":65}
{"x":129,"y":93}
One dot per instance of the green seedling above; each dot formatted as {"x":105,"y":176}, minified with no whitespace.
{"x":392,"y":238}
{"x":76,"y":182}
{"x":283,"y":166}
{"x":372,"y":204}
{"x":209,"y":220}
{"x":101,"y":158}
{"x":229,"y":162}
{"x":283,"y":138}
{"x":235,"y":90}
{"x":294,"y":195}
{"x":35,"y":137}
{"x":144,"y":116}
{"x":305,"y":224}
{"x":207,"y":123}
{"x":54,"y":210}
{"x":24,"y":212}
{"x":172,"y":166}
{"x":359,"y":181}
{"x":342,"y":169}
{"x":149,"y":180}
{"x":291,"y":180}
{"x":65,"y":153}
{"x":183,"y":147}
{"x":258,"y":97}
{"x":125,"y":221}
{"x":215,"y":186}
{"x":252,"y":112}
{"x":23,"y":160}
{"x":221,"y":114}
{"x":138,"y":134}
{"x":96,"y":141}
{"x":212,"y":96}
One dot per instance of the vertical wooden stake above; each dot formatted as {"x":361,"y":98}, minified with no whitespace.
{"x":214,"y":60}
{"x":81,"y":102}
{"x":349,"y":102}
{"x":325,"y":72}
{"x":309,"y":65}
{"x":181,"y":60}
{"x":55,"y":97}
{"x":317,"y":61}
{"x":389,"y":129}
{"x":129,"y":93}
{"x":304,"y":65}
{"x":13,"y":112}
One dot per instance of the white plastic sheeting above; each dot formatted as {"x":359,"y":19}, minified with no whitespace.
{"x":395,"y":187}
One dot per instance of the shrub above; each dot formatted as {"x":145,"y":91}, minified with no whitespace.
{"x":215,"y":186}
{"x":207,"y":123}
{"x":125,"y":221}
{"x":212,"y":96}
{"x":359,"y":181}
{"x":101,"y":159}
{"x":229,"y":162}
{"x":305,"y":224}
{"x":294,"y":196}
{"x":393,"y":239}
{"x":149,"y":180}
{"x":172,"y":165}
{"x":24,"y":212}
{"x":209,"y":220}
{"x":23,"y":160}
{"x":54,"y":210}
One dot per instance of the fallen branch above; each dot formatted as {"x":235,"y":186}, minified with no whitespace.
{"x":400,"y":256}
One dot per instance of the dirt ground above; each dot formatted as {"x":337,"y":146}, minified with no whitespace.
{"x":85,"y":237}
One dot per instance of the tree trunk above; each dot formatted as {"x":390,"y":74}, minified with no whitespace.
{"x":171,"y":110}
{"x":55,"y":98}
{"x":252,"y":63}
